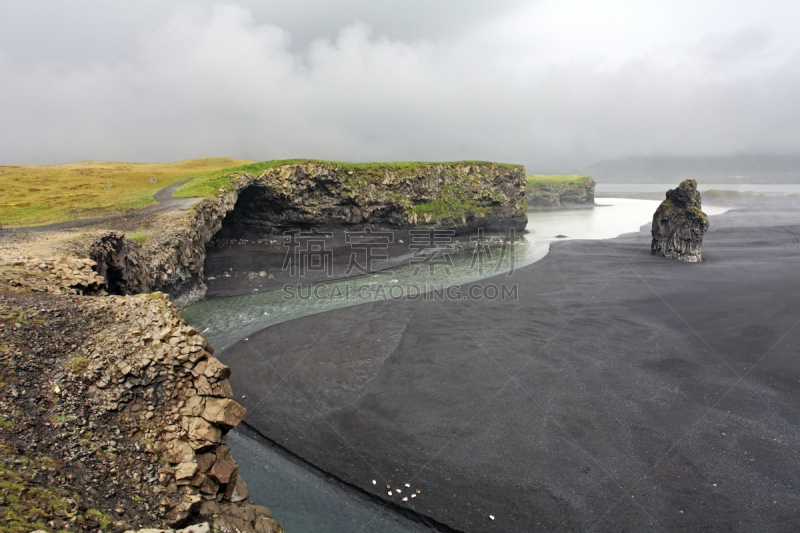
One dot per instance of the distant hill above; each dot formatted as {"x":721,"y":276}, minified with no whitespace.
{"x":736,"y":169}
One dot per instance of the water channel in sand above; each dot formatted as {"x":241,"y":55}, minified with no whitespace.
{"x":302,"y":498}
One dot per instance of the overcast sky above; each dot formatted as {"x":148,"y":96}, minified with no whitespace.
{"x":556,"y":85}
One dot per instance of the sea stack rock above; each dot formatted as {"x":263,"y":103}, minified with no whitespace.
{"x":679,"y":224}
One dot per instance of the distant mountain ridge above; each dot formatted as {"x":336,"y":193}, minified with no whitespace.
{"x":737,"y":169}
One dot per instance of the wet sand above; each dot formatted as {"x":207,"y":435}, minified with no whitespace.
{"x":620,"y":392}
{"x":229,"y":261}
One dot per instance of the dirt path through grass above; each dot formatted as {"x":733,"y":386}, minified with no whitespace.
{"x":164,"y":197}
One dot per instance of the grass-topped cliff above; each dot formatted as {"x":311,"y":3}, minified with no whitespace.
{"x":213,"y":182}
{"x":560,"y":190}
{"x":557,"y":179}
{"x":282,"y":194}
{"x":32,"y":196}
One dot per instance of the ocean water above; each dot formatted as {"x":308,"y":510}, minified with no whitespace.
{"x":302,"y":498}
{"x":766,"y":188}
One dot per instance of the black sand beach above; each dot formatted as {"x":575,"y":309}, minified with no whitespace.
{"x":229,"y":261}
{"x":620,"y":392}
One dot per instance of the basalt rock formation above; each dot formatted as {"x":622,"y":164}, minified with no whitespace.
{"x":679,"y":224}
{"x":457,"y":196}
{"x":561,"y":194}
{"x":114,"y":413}
{"x":297,"y":195}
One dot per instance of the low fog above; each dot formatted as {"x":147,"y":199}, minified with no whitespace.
{"x":555,"y":85}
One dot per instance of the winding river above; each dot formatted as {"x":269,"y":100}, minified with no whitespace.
{"x":301,"y":497}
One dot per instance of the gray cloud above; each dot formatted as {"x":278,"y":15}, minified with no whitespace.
{"x":553,"y":85}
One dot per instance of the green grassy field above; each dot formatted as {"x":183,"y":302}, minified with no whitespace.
{"x":213,"y":182}
{"x":32,"y":196}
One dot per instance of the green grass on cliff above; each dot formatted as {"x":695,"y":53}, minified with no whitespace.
{"x":212,"y":183}
{"x":538,"y":179}
{"x":215,"y":182}
{"x":452,"y":203}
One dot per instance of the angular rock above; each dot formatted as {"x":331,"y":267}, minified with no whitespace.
{"x":216,"y":370}
{"x":193,"y":406}
{"x":223,"y":412}
{"x":198,"y":479}
{"x":179,"y":451}
{"x":224,"y":470}
{"x":246,"y":513}
{"x":231,"y":524}
{"x":189,"y":504}
{"x":200,"y":433}
{"x":265,"y":525}
{"x":209,"y":508}
{"x":222,"y":389}
{"x":186,"y":470}
{"x":203,"y":386}
{"x":209,"y":486}
{"x":239,"y":492}
{"x":205,"y":461}
{"x":679,"y":224}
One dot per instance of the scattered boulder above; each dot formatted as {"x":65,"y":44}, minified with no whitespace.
{"x":679,"y":224}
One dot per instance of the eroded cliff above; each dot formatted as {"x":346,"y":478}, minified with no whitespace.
{"x":548,"y":192}
{"x":300,"y":194}
{"x":457,"y":196}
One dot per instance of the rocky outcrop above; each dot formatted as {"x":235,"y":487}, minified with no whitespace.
{"x":69,"y":275}
{"x":172,"y":260}
{"x":455,"y":196}
{"x":128,"y":409}
{"x":549,"y":194}
{"x":679,"y":224}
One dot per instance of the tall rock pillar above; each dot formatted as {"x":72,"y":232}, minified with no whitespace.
{"x":679,"y":224}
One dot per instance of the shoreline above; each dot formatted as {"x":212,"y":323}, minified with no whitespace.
{"x":280,"y":344}
{"x":411,"y":520}
{"x":184,"y":422}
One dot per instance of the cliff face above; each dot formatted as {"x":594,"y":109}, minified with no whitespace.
{"x":548,"y":194}
{"x":457,"y":196}
{"x":172,"y":262}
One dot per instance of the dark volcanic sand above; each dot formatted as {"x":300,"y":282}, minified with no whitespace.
{"x":253,"y":254}
{"x":621,"y":392}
